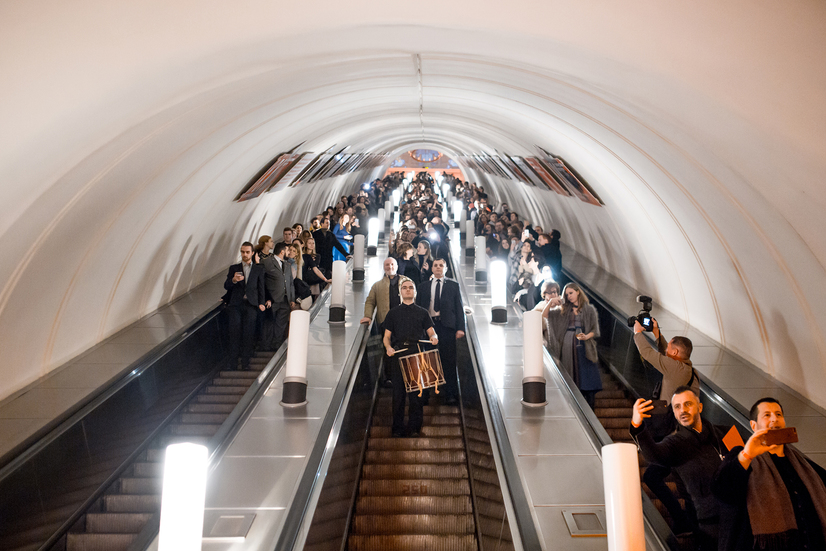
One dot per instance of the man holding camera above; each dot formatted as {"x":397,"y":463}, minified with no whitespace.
{"x":695,"y":451}
{"x":673,"y":361}
{"x":773,"y":496}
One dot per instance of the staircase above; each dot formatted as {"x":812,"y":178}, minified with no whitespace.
{"x":116,"y":519}
{"x":414,"y":493}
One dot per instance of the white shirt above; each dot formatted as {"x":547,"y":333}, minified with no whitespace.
{"x":433,"y":294}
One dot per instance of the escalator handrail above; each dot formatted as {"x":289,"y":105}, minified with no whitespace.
{"x":222,"y":439}
{"x":315,"y":471}
{"x":527,"y":530}
{"x":70,"y":418}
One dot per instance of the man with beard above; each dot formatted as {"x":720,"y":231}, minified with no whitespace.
{"x":695,"y":451}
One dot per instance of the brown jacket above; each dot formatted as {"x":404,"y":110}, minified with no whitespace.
{"x":378,"y":300}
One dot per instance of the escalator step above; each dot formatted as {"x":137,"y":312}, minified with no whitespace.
{"x":416,"y":505}
{"x":231,"y":381}
{"x":418,"y":457}
{"x":211,"y":418}
{"x":193,"y":429}
{"x":429,"y":420}
{"x":412,"y":543}
{"x":400,"y":444}
{"x":217,"y":398}
{"x":619,"y":435}
{"x":624,"y":412}
{"x":433,"y":487}
{"x":440,"y":431}
{"x":401,"y":472}
{"x":617,"y":394}
{"x":413,"y":524}
{"x":234,"y":390}
{"x":615,"y":422}
{"x":613,"y":403}
{"x":210,"y":408}
{"x":98,"y":542}
{"x":249,"y":375}
{"x":116,"y":523}
{"x":129,"y":485}
{"x":143,"y":469}
{"x":131,"y":503}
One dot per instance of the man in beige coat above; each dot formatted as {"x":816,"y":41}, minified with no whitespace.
{"x":384,"y":294}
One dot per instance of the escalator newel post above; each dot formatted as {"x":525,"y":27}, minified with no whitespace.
{"x":498,"y":292}
{"x":460,"y":217}
{"x":533,"y":367}
{"x":358,"y":258}
{"x":623,"y":497}
{"x":481,"y":270}
{"x":469,"y":236}
{"x":337,"y":308}
{"x":295,"y":374}
{"x":382,"y":218}
{"x":373,"y":236}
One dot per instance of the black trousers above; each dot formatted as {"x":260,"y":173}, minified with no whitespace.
{"x":447,"y":353}
{"x":242,"y":318}
{"x":275,"y":325}
{"x":400,"y":396}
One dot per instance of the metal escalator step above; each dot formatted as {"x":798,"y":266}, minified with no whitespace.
{"x":99,"y":542}
{"x":412,"y":543}
{"x":251,"y":374}
{"x":193,"y":429}
{"x":615,"y":422}
{"x":429,"y":420}
{"x":142,"y":485}
{"x":413,"y":524}
{"x":234,"y":390}
{"x":428,"y":456}
{"x":231,"y":381}
{"x":624,"y":412}
{"x":423,"y":487}
{"x":144,"y":469}
{"x":425,"y":505}
{"x":211,"y":408}
{"x":476,"y":424}
{"x":116,"y":523}
{"x":125,"y":503}
{"x":613,"y":403}
{"x":154,"y":455}
{"x":217,"y":398}
{"x":438,"y":431}
{"x":476,"y":435}
{"x":616,"y":394}
{"x":198,"y":418}
{"x":619,"y":435}
{"x":415,"y":444}
{"x":401,"y":472}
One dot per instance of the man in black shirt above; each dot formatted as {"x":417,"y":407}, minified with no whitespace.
{"x":774,"y":500}
{"x":404,"y":326}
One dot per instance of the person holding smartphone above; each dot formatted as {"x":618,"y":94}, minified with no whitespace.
{"x":773,"y":496}
{"x":695,"y":451}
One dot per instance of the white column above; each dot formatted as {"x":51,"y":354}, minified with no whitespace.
{"x":373,"y":229}
{"x":470,"y":237}
{"x":182,"y":498}
{"x":534,"y":365}
{"x":623,"y":498}
{"x":299,"y":340}
{"x":358,"y":258}
{"x":339,"y":278}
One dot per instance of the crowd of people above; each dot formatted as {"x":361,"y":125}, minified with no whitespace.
{"x":757,"y":495}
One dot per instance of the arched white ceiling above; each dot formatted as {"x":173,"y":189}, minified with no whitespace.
{"x":129,"y":128}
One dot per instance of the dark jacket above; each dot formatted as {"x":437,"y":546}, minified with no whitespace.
{"x":730,"y":485}
{"x":325,"y":242}
{"x":695,"y":457}
{"x":452,"y":313}
{"x":253,"y":289}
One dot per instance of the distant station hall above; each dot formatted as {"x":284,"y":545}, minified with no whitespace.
{"x":386,"y":277}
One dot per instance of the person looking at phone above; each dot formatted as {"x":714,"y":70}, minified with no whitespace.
{"x":695,"y":451}
{"x":772,"y":496}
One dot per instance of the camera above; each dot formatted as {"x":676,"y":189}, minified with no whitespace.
{"x":644,"y":316}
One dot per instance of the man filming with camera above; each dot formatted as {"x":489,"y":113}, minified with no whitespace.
{"x":672,"y":359}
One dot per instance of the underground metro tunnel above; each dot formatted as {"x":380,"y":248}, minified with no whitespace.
{"x":129,"y":134}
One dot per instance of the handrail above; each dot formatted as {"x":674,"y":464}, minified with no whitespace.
{"x":516,"y":500}
{"x":72,"y":417}
{"x":312,"y":479}
{"x":222,"y":439}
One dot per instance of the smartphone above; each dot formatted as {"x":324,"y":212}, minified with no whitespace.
{"x":660,"y":407}
{"x":781,"y":436}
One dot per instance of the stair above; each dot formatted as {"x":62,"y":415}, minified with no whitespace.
{"x":414,"y":493}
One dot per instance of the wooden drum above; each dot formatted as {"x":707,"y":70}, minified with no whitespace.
{"x":422,"y":370}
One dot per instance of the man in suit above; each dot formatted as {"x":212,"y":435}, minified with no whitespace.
{"x":325,"y":242}
{"x":442,"y":299}
{"x":244,"y":298}
{"x":280,"y":295}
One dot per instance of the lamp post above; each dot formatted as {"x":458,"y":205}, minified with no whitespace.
{"x":382,"y":221}
{"x":481,"y":271}
{"x":533,"y":366}
{"x":459,"y":216}
{"x":470,"y":239}
{"x":294,"y":393}
{"x":372,"y":236}
{"x":623,"y":497}
{"x":337,"y":292}
{"x":358,"y":258}
{"x":499,"y":292}
{"x":183,"y":496}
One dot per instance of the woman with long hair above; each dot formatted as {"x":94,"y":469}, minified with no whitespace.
{"x":299,"y":258}
{"x":263,"y":248}
{"x":423,"y":260}
{"x":576,"y":326}
{"x":313,"y":275}
{"x":407,"y":266}
{"x":342,"y":233}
